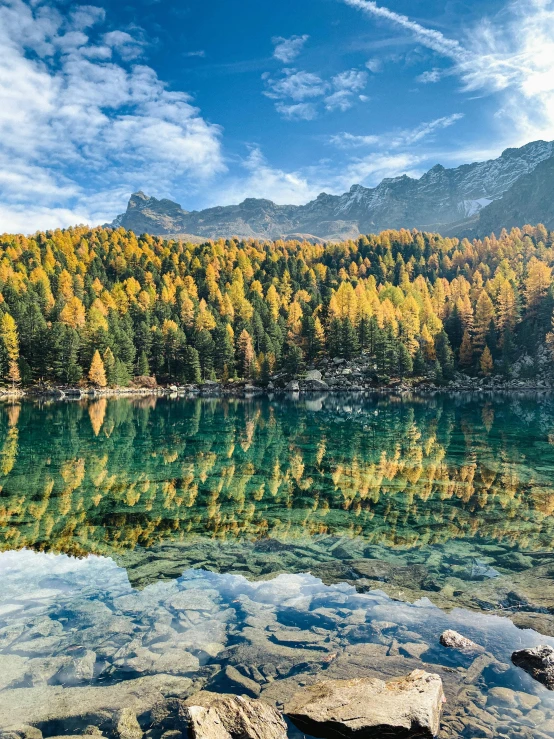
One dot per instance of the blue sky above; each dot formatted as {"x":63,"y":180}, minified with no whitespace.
{"x":210,"y":102}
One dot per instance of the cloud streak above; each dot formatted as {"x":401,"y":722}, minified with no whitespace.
{"x":512,"y":54}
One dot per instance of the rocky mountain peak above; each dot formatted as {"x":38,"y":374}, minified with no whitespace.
{"x":456,"y":201}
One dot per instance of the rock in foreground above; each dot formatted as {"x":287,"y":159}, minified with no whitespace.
{"x":221,"y":716}
{"x":538,"y":662}
{"x":369,"y":708}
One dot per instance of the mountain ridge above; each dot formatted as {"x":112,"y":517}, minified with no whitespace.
{"x":466,"y":200}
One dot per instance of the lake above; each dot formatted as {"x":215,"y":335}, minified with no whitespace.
{"x":252,"y":546}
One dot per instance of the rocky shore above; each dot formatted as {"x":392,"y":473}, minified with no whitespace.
{"x":337,"y":377}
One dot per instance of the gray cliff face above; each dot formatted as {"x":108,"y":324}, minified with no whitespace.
{"x":472,"y":199}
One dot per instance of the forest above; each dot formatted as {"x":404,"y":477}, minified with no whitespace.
{"x":102,"y":306}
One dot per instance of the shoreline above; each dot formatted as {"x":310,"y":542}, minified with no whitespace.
{"x":295,"y":388}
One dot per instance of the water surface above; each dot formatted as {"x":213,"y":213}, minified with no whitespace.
{"x":255,"y":546}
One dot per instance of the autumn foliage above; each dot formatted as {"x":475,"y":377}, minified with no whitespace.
{"x":409,"y":302}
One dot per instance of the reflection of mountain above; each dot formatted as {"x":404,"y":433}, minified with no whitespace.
{"x":110,"y":475}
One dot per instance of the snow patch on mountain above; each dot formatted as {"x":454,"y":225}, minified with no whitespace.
{"x":469,"y":208}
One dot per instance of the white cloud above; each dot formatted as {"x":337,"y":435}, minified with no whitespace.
{"x":512,"y":54}
{"x":430,"y":76}
{"x":287,"y":49}
{"x":339,"y":100}
{"x":374,"y":65}
{"x":402,"y":138}
{"x":267,"y":182}
{"x":297,"y":111}
{"x":375,"y":167}
{"x":352,"y":80}
{"x":296,"y":85}
{"x":346,"y":84}
{"x":300,"y":186}
{"x":74,"y":122}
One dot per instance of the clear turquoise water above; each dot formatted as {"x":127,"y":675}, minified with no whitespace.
{"x":287,"y":540}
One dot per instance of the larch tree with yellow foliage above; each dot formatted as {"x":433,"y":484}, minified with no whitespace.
{"x":97,"y":374}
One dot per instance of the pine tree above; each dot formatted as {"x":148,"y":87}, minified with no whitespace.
{"x":143,"y":368}
{"x":405,"y":362}
{"x":334,"y":338}
{"x":63,"y":353}
{"x":419,"y":363}
{"x":191,"y":366}
{"x":265,"y":371}
{"x":294,"y":360}
{"x":349,"y":339}
{"x":97,"y":375}
{"x":224,"y":352}
{"x":206,"y":349}
{"x":109,"y":367}
{"x":466,"y":351}
{"x":122,"y":376}
{"x":445,"y":355}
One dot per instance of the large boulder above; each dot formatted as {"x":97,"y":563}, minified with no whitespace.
{"x":221,"y":716}
{"x":538,"y":662}
{"x":368,"y":708}
{"x":313,"y":375}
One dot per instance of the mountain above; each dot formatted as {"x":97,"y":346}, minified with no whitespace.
{"x":529,"y":200}
{"x":472,"y":199}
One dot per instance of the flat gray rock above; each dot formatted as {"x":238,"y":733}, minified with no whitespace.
{"x":368,"y":708}
{"x":54,"y":703}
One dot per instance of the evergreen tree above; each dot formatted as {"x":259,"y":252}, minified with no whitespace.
{"x":405,"y":362}
{"x":445,"y":355}
{"x":109,"y":367}
{"x":64,"y":354}
{"x":334,"y":338}
{"x":206,"y":350}
{"x":349,"y":339}
{"x":466,"y":350}
{"x":223,"y":351}
{"x":192,"y":371}
{"x":122,"y":376}
{"x":143,"y":368}
{"x":419,"y":363}
{"x":294,"y":360}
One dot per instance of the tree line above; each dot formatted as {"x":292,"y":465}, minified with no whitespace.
{"x":104,"y":306}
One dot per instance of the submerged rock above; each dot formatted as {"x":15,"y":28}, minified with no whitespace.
{"x":126,"y":725}
{"x":368,"y":707}
{"x":538,"y":662}
{"x":54,"y":703}
{"x":454,"y":640}
{"x":217,"y":716}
